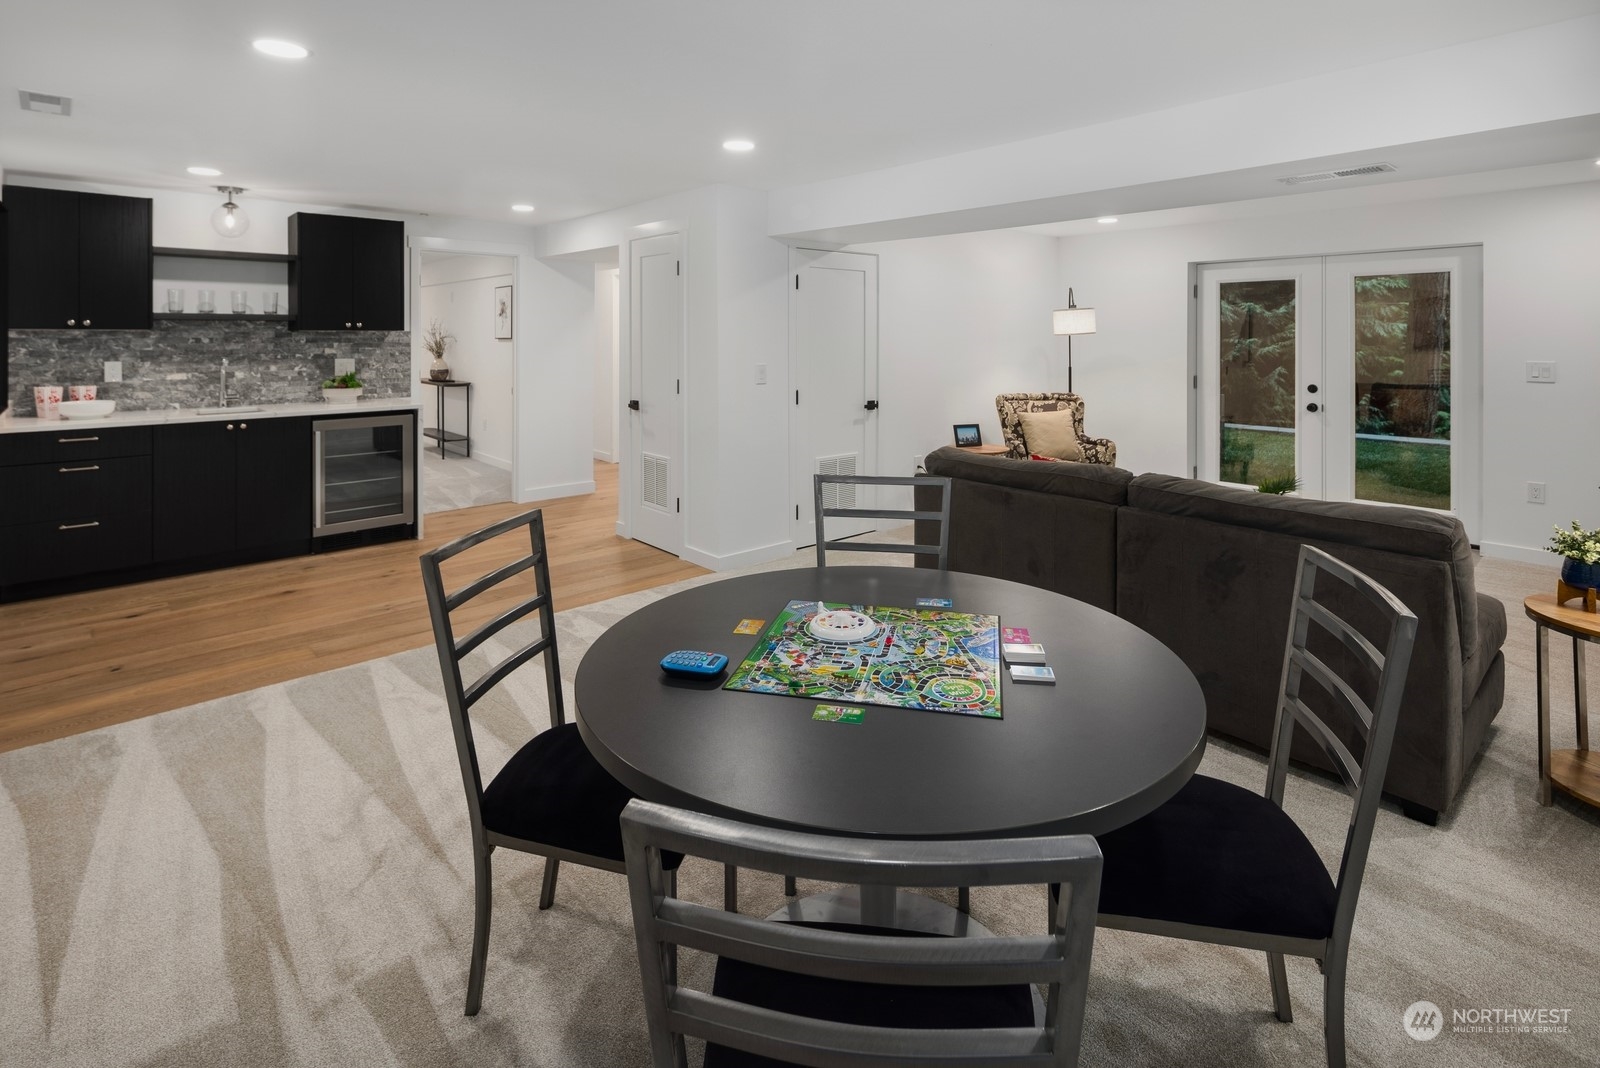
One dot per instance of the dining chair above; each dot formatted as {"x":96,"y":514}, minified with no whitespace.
{"x":836,"y":496}
{"x":1222,"y":864}
{"x":551,"y":798}
{"x":835,"y":994}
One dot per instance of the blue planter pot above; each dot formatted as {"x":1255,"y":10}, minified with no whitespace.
{"x":1579,"y":575}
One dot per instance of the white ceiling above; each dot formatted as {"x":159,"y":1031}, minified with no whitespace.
{"x":464,"y":108}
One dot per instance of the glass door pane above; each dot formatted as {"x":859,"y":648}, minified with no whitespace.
{"x":1256,"y":415}
{"x":1402,"y":388}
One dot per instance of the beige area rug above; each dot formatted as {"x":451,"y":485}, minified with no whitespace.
{"x":283,"y":877}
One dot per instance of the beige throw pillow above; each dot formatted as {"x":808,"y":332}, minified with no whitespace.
{"x":1050,"y":434}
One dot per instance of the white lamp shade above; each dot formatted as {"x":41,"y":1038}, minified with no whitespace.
{"x":1074,"y":320}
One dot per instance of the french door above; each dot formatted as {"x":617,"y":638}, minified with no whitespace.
{"x":1351,"y":378}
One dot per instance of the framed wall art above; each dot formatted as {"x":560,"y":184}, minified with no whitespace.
{"x":502,"y":313}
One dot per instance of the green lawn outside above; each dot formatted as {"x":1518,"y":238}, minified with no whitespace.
{"x":1394,"y":472}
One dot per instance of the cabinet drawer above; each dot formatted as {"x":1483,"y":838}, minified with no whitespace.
{"x":74,"y":489}
{"x":73,"y":442}
{"x":59,"y":549}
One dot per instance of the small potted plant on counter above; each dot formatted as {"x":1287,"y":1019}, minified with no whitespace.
{"x":341,"y":389}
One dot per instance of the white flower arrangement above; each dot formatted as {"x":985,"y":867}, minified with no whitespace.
{"x":1576,"y":544}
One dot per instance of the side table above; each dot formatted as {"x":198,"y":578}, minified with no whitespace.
{"x":984,"y":450}
{"x":1573,"y":771}
{"x":437,"y":432}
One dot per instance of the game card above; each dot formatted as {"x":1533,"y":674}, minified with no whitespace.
{"x":935,"y":602}
{"x":749,"y":626}
{"x":837,"y":714}
{"x":1015,"y":636}
{"x":1032,"y":673}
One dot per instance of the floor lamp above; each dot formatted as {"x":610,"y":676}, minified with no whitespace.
{"x":1069,"y":321}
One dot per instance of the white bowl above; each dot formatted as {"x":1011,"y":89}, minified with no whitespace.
{"x":335,"y":395}
{"x":95,"y":409}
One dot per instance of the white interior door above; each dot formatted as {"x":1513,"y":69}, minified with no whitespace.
{"x":1358,"y":375}
{"x":833,"y":357}
{"x":655,"y":405}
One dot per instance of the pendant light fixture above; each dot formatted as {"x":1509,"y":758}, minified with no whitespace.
{"x":229,"y":219}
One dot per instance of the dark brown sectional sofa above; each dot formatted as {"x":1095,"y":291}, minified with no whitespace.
{"x":1209,"y":570}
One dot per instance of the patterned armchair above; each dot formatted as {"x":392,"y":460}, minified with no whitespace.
{"x":1010,"y":405}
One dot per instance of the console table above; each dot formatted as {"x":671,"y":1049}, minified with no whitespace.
{"x":437,"y":432}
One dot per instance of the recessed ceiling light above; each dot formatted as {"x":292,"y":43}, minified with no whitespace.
{"x":522,"y":207}
{"x":1106,"y":220}
{"x":204,"y":172}
{"x":738,"y":145}
{"x":281,"y":49}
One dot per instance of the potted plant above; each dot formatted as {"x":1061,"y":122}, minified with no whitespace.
{"x":435,"y":340}
{"x":1580,"y":553}
{"x":342,"y":389}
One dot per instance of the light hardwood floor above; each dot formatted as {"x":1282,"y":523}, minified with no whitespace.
{"x":73,"y":663}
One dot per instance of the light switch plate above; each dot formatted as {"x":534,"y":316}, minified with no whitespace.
{"x":344,"y":365}
{"x":761,"y":374}
{"x":1541,"y":371}
{"x":113,"y":371}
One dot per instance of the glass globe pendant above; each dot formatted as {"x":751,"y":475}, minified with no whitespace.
{"x":229,"y":219}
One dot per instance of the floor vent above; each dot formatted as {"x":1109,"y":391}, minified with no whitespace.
{"x":45,"y":103}
{"x":1343,"y":172}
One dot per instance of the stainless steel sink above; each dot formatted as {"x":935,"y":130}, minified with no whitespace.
{"x":232,"y":409}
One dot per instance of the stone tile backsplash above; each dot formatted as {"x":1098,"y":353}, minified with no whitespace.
{"x":177,"y":364}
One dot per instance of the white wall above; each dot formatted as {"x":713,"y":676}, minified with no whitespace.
{"x":458,"y":292}
{"x":1541,"y":271}
{"x":960,"y":319}
{"x":607,"y":356}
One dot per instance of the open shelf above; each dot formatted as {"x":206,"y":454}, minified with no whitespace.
{"x":217,"y":317}
{"x":224,"y":254}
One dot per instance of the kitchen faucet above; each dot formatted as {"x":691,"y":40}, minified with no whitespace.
{"x":222,"y":385}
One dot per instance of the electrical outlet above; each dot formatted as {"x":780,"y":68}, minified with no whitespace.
{"x":344,"y":365}
{"x":1536,"y":493}
{"x":916,"y":464}
{"x":113,"y":371}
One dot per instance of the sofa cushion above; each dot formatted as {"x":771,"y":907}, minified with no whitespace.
{"x":1491,"y":636}
{"x":1094,"y":482}
{"x":1410,"y":531}
{"x":1051,"y":434}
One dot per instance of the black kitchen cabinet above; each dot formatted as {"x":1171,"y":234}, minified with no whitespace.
{"x":77,"y":260}
{"x":347,"y":273}
{"x":74,"y":502}
{"x":238,"y":484}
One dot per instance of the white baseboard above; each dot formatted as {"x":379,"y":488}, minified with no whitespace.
{"x":1520,"y":553}
{"x":733,"y":561}
{"x":492,"y":461}
{"x":604,"y":457}
{"x":545,"y":493}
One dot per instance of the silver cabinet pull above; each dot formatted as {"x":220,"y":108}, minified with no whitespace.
{"x":230,"y":426}
{"x":70,"y":441}
{"x":78,"y":526}
{"x":72,"y":322}
{"x":244,"y":426}
{"x":347,"y":326}
{"x":358,"y":325}
{"x":91,"y":467}
{"x":86,"y":322}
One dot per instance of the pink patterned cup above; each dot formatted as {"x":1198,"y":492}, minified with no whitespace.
{"x":81,"y":392}
{"x":47,"y":399}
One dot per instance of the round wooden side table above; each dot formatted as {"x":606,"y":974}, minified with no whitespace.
{"x":1573,"y":771}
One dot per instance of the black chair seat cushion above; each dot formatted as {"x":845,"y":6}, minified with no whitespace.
{"x":555,"y":793}
{"x":869,"y":1004}
{"x":1218,"y":855}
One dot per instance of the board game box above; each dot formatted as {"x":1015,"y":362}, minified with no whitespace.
{"x":927,"y":658}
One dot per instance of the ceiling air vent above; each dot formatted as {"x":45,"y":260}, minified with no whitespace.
{"x":1343,"y":172}
{"x":45,"y":103}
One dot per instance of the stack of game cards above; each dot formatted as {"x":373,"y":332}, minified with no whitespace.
{"x":1024,"y":658}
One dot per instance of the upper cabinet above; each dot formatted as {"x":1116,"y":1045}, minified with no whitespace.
{"x":347,"y":273}
{"x":77,"y":260}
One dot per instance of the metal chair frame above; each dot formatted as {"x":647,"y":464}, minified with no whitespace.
{"x":1364,"y":779}
{"x":460,"y":697}
{"x":941,"y":550}
{"x":662,"y":922}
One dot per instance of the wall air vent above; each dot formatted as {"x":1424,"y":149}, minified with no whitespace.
{"x":1343,"y":172}
{"x":45,"y":103}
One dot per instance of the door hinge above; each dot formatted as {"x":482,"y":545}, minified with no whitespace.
{"x":797,"y":511}
{"x":797,"y":281}
{"x":1197,"y":291}
{"x":1195,"y":382}
{"x":677,"y":504}
{"x":797,"y":396}
{"x":1194,"y":472}
{"x":678,"y":269}
{"x":677,"y":385}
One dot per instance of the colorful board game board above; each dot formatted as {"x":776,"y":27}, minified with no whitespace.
{"x":932,"y":659}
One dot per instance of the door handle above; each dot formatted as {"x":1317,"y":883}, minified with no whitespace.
{"x":1313,"y":406}
{"x":871,"y":406}
{"x":633,"y":406}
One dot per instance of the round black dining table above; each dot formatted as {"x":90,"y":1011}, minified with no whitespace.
{"x":1119,"y":732}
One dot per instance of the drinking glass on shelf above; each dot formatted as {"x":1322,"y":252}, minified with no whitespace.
{"x":174,"y":300}
{"x":241,"y":303}
{"x":208,"y":300}
{"x":269,"y":302}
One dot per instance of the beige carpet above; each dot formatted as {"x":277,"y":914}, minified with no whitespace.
{"x":283,"y":877}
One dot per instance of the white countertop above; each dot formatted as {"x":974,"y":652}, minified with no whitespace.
{"x":157,"y":416}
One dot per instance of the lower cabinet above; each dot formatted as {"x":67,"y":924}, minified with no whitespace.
{"x":228,"y":486}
